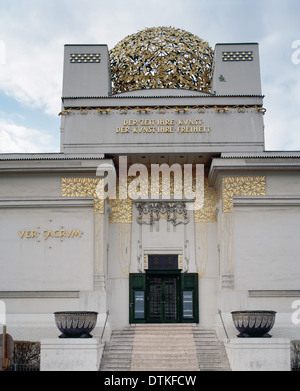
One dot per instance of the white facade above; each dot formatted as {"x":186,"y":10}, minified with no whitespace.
{"x":64,"y":249}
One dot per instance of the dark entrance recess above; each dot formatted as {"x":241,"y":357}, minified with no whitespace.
{"x":163,"y":295}
{"x":162,"y":262}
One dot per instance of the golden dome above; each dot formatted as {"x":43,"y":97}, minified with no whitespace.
{"x":161,"y":57}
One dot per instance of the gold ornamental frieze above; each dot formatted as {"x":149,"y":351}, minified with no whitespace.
{"x":125,"y":110}
{"x":83,"y":188}
{"x":207,"y":213}
{"x":241,"y":186}
{"x":121,"y":209}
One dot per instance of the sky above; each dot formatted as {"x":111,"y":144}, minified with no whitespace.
{"x":33,"y":34}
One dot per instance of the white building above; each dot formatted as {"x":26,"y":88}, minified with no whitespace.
{"x":64,"y":248}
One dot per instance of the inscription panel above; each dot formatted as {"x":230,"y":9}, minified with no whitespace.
{"x":123,"y":130}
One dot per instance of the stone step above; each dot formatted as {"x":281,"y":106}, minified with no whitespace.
{"x":116,"y":358}
{"x":164,"y":325}
{"x":113,"y":367}
{"x":165,"y":369}
{"x":123,"y":361}
{"x":168,"y":351}
{"x":161,"y":347}
{"x":119,"y":347}
{"x":160,"y":369}
{"x":162,"y":363}
{"x":163,"y":342}
{"x":120,"y":340}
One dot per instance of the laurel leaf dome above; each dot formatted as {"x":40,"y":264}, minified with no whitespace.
{"x":161,"y":57}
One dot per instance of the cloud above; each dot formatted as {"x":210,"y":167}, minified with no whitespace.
{"x":18,"y":139}
{"x":281,"y":86}
{"x":34,"y":32}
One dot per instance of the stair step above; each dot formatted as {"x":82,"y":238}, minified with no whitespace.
{"x":161,"y":347}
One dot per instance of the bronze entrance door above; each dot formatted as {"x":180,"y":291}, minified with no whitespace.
{"x":163,"y":296}
{"x":162,"y":292}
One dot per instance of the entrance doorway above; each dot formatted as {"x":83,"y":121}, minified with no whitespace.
{"x":163,"y":294}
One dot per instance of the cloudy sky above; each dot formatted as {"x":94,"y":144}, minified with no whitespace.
{"x":33,"y":34}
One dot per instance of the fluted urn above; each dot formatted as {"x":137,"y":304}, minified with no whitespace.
{"x":75,"y":324}
{"x":253,"y":324}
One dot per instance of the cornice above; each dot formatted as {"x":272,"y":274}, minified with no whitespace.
{"x":286,"y":201}
{"x":38,"y":163}
{"x":227,"y":166}
{"x":46,"y":203}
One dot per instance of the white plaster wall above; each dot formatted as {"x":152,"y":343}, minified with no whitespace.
{"x":71,"y":355}
{"x":259,"y":354}
{"x":112,"y":141}
{"x":266,"y":247}
{"x":207,"y":259}
{"x":118,"y":274}
{"x":24,"y":185}
{"x":31,"y":264}
{"x":283,"y":183}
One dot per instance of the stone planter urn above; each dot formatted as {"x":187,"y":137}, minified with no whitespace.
{"x":253,"y":324}
{"x":75,"y":324}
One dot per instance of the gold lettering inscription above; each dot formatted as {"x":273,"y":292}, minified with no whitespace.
{"x":34,"y":234}
{"x":190,"y":122}
{"x":22,"y":234}
{"x":50,"y":234}
{"x":193,"y":129}
{"x":151,"y":126}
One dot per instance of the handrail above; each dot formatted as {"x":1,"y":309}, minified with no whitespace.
{"x":107,"y":314}
{"x":5,"y":361}
{"x":220,"y":313}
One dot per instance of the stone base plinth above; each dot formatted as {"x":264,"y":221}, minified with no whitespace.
{"x":259,"y":354}
{"x":71,"y":354}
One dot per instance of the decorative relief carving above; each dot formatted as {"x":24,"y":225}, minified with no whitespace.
{"x":121,"y":211}
{"x":207,"y":213}
{"x":180,"y":264}
{"x":237,"y":56}
{"x":124,"y":248}
{"x":85,"y":58}
{"x":201,"y":236}
{"x":163,"y":109}
{"x":82,"y":187}
{"x":161,"y":57}
{"x":174,"y":212}
{"x":241,"y":186}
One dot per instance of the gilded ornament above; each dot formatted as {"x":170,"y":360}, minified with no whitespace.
{"x":162,"y":109}
{"x":161,"y":57}
{"x":241,"y":186}
{"x":83,"y":188}
{"x":207,"y":213}
{"x":121,"y":211}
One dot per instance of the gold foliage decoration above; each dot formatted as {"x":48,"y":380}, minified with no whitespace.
{"x":121,"y":211}
{"x":207,"y":213}
{"x":83,"y":187}
{"x":241,"y":186}
{"x":162,"y":109}
{"x":161,"y":57}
